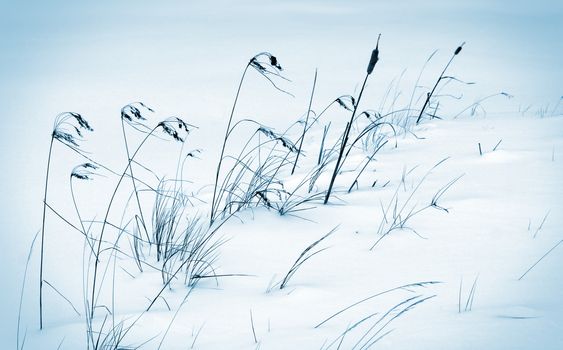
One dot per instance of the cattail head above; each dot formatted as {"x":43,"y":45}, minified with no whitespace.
{"x":374,"y":57}
{"x":458,"y":50}
{"x":69,"y":127}
{"x":83,"y":171}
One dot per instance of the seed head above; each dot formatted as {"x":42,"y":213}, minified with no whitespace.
{"x":83,"y":172}
{"x":131,"y":113}
{"x":68,"y":128}
{"x":269,"y":61}
{"x":458,"y":50}
{"x":274,"y":62}
{"x":374,"y":57}
{"x":176,"y":128}
{"x":284,"y":140}
{"x":343,"y":102}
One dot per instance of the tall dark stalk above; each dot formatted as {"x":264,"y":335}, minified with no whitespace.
{"x":431,"y":93}
{"x":373,"y":60}
{"x":306,"y":122}
{"x":43,"y":232}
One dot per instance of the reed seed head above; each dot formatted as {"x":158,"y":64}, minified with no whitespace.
{"x":84,"y":171}
{"x":268,"y":66}
{"x":371,"y":115}
{"x":130,"y":113}
{"x":345,"y":100}
{"x":68,"y":128}
{"x":176,"y":128}
{"x":273,"y":136}
{"x":269,"y":60}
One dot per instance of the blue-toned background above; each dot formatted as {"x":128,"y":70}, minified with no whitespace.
{"x":185,"y":57}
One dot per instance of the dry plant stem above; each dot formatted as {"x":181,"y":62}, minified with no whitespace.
{"x":540,"y":259}
{"x":304,"y":257}
{"x":429,"y":95}
{"x":252,"y":325}
{"x":355,"y":182}
{"x":43,"y":235}
{"x":403,"y":287}
{"x":22,"y":293}
{"x":182,"y":265}
{"x":344,"y":141}
{"x":227,"y":132}
{"x":305,"y":126}
{"x":133,"y":180}
{"x":104,"y":223}
{"x":84,"y":232}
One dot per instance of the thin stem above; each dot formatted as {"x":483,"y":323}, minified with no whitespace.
{"x":306,"y":121}
{"x":84,"y":232}
{"x":429,"y":95}
{"x":43,"y":234}
{"x":213,"y":204}
{"x":133,"y":181}
{"x":344,"y":141}
{"x":106,"y":219}
{"x":365,"y":165}
{"x":540,"y":259}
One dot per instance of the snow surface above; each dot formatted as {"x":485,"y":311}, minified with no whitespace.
{"x":494,"y":212}
{"x":184,"y":58}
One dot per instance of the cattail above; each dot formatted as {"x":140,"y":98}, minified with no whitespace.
{"x":458,"y":50}
{"x":374,"y":57}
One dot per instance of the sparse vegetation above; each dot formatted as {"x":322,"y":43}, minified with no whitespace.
{"x":180,"y":241}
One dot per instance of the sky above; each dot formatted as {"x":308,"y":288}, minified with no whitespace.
{"x":185,"y":57}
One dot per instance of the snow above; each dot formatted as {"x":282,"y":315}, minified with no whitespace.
{"x":498,"y":218}
{"x":483,"y":236}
